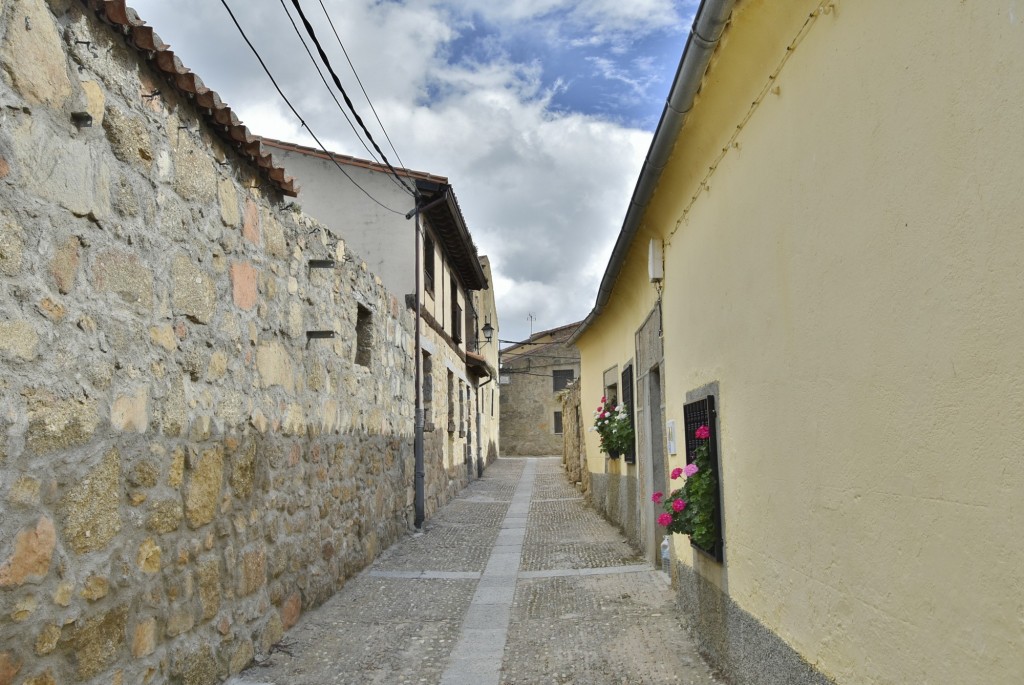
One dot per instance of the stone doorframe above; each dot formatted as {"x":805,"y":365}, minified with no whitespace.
{"x":650,"y":427}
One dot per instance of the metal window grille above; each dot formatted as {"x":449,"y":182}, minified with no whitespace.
{"x":696,"y":414}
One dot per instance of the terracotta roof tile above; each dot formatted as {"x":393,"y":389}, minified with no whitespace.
{"x":219,"y":115}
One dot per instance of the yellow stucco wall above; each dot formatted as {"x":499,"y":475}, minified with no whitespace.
{"x":854,"y":280}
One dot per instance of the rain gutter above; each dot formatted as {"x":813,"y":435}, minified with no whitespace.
{"x":708,"y":26}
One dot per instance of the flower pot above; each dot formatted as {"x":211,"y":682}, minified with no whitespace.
{"x":614,"y":454}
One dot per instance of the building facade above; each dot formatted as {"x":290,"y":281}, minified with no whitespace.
{"x":532,"y":375}
{"x":449,"y":272}
{"x":821,"y":263}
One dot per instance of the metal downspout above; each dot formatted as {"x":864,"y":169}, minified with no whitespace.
{"x":708,"y":26}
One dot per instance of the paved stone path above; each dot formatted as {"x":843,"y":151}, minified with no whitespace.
{"x":515,"y":582}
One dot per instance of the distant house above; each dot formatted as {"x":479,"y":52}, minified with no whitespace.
{"x":533,"y":372}
{"x":822,"y":262}
{"x":378,"y":231}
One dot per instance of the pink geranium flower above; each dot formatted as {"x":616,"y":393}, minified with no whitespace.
{"x":690,"y":470}
{"x":665,"y":520}
{"x":656,"y":497}
{"x":702,"y":433}
{"x":676,"y":472}
{"x":678,"y":505}
{"x":603,"y":399}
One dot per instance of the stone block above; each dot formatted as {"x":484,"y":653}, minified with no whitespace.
{"x":144,"y":473}
{"x":33,"y":550}
{"x":24,"y":608}
{"x":252,"y":571}
{"x":71,"y":172}
{"x":204,"y":488}
{"x":90,"y":508}
{"x":176,"y":472}
{"x":44,"y":678}
{"x":243,"y":470}
{"x":47,"y":639}
{"x":174,"y":409}
{"x":18,"y":340}
{"x":275,"y":366}
{"x":218,"y":366}
{"x":10,"y":666}
{"x":58,"y":423}
{"x":179,"y":621}
{"x":193,"y":293}
{"x":251,"y":222}
{"x":227,"y":196}
{"x":12,"y":247}
{"x":123,"y":274}
{"x":33,"y":56}
{"x":94,"y":101}
{"x":164,"y":337}
{"x":97,"y":642}
{"x":96,"y":588}
{"x":194,"y":175}
{"x":62,"y":595}
{"x":240,"y":658}
{"x":130,"y":413}
{"x":54,"y":311}
{"x":197,"y":666}
{"x":64,"y":267}
{"x":209,"y":587}
{"x":243,"y":285}
{"x":165,"y":516}
{"x":129,"y":138}
{"x":291,"y":610}
{"x":273,"y":236}
{"x":24,"y":492}
{"x":148,"y":558}
{"x":5,"y":168}
{"x":144,"y":638}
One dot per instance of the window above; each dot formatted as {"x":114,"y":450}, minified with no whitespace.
{"x":364,"y":335}
{"x":558,"y":423}
{"x":428,"y":263}
{"x":627,"y":402}
{"x":696,"y":414}
{"x":562,"y":379}
{"x":456,"y":313}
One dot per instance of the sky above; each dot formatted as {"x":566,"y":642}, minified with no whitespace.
{"x":539,"y":112}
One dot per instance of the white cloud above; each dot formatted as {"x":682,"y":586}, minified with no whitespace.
{"x":544,"y":193}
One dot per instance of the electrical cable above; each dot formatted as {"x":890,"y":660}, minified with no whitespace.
{"x":331,"y":91}
{"x":360,"y":82}
{"x":296,"y":113}
{"x":348,"y":100}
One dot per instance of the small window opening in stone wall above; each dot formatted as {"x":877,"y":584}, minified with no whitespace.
{"x":558,"y":423}
{"x":562,"y":379}
{"x":364,"y":335}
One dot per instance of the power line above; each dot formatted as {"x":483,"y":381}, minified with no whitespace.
{"x":296,"y":113}
{"x":360,"y":82}
{"x":348,"y":100}
{"x":330,"y":90}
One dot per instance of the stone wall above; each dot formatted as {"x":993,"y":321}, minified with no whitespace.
{"x":182,"y":473}
{"x":529,"y":400}
{"x":574,"y":453}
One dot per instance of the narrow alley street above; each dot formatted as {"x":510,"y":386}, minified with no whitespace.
{"x":516,"y":582}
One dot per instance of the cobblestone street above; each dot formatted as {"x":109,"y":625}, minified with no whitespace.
{"x":516,"y":582}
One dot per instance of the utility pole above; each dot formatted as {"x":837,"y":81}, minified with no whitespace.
{"x":531,"y":318}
